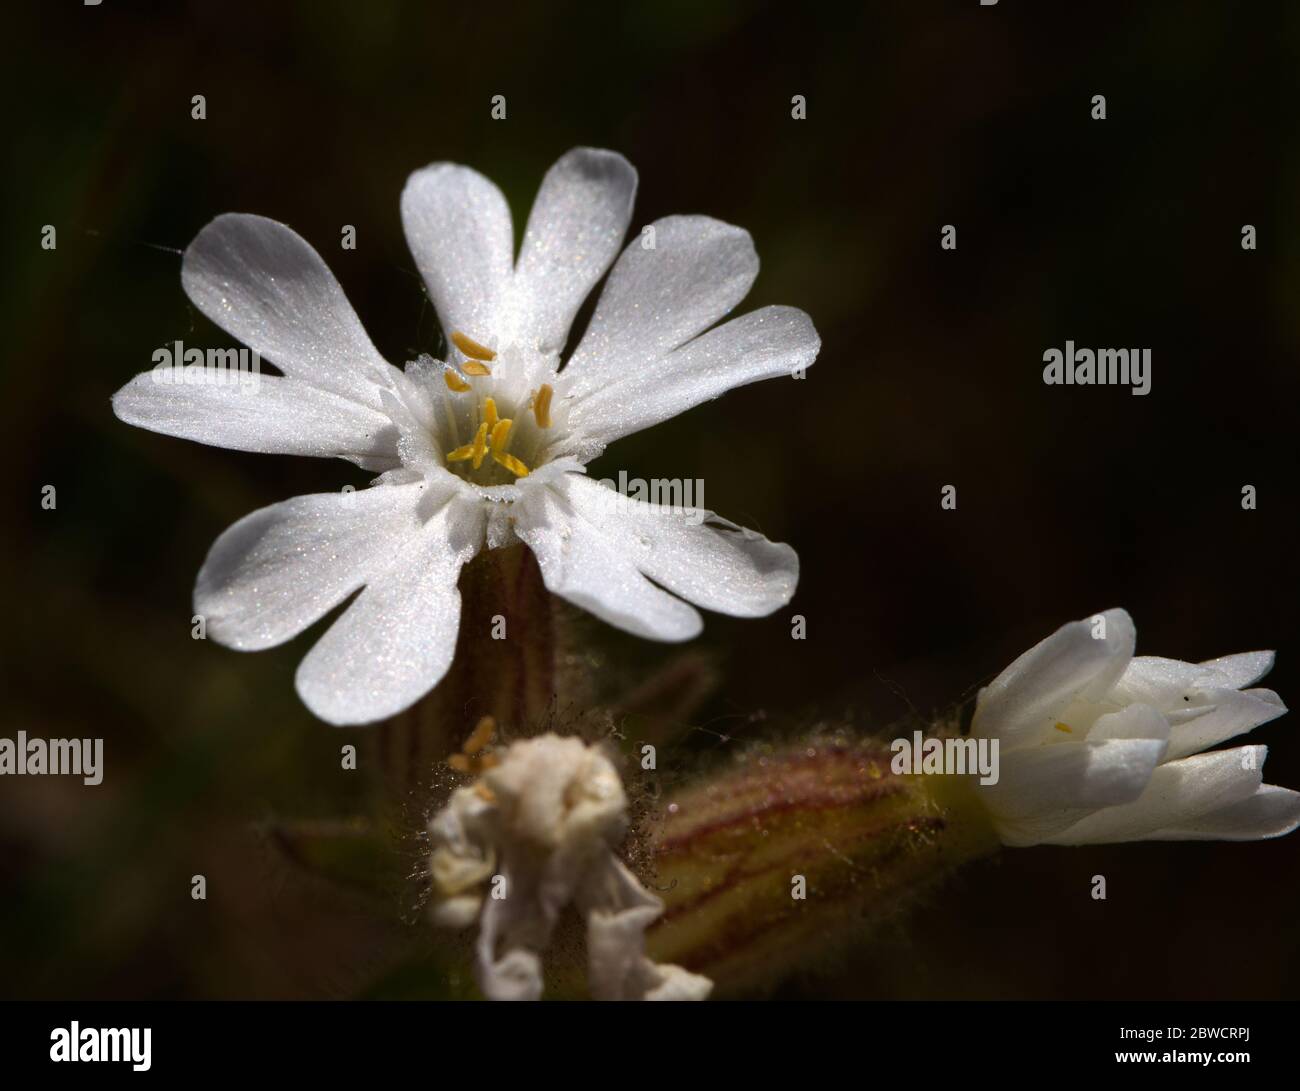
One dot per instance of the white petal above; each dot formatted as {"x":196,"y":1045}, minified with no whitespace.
{"x":276,"y":416}
{"x":459,"y":231}
{"x":1042,"y":790}
{"x":263,"y":283}
{"x":706,"y":560}
{"x":619,"y":910}
{"x":516,"y":975}
{"x":616,"y":950}
{"x":1201,"y":699}
{"x":457,"y":912}
{"x":1179,"y":794}
{"x":676,"y":983}
{"x":1270,"y":812}
{"x":1071,"y":663}
{"x":280,"y":569}
{"x":1243,"y":669}
{"x":1167,"y":683}
{"x":657,"y":299}
{"x":580,"y":563}
{"x":768,"y":343}
{"x":396,"y":640}
{"x":574,"y":231}
{"x":1136,"y":721}
{"x":1157,"y":681}
{"x":1232,"y":714}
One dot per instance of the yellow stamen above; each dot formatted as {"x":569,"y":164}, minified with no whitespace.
{"x":461,"y":454}
{"x":475,"y":367}
{"x":480,"y":736}
{"x":475,"y":757}
{"x":455,"y":382}
{"x":542,"y":406}
{"x":490,"y":412}
{"x":470,"y":347}
{"x":500,"y":435}
{"x":510,"y":463}
{"x":480,"y":445}
{"x":1064,"y":727}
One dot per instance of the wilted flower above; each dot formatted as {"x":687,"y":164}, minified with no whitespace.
{"x":539,"y":828}
{"x":485,"y":449}
{"x":1098,"y":745}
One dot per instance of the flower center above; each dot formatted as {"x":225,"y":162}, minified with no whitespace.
{"x":488,"y":459}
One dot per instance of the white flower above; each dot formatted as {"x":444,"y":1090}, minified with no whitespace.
{"x":541,"y":825}
{"x":486,"y":449}
{"x":1098,"y":745}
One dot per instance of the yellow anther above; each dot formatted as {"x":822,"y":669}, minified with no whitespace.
{"x":500,"y":435}
{"x":455,"y":382}
{"x":542,"y":405}
{"x":1064,"y":727}
{"x":474,"y":451}
{"x":480,"y":445}
{"x":475,"y":756}
{"x":490,"y":412}
{"x":475,"y":367}
{"x":480,"y":736}
{"x":470,"y":347}
{"x":510,"y":463}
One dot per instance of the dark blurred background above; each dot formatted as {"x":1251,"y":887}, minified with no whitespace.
{"x":1124,"y":232}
